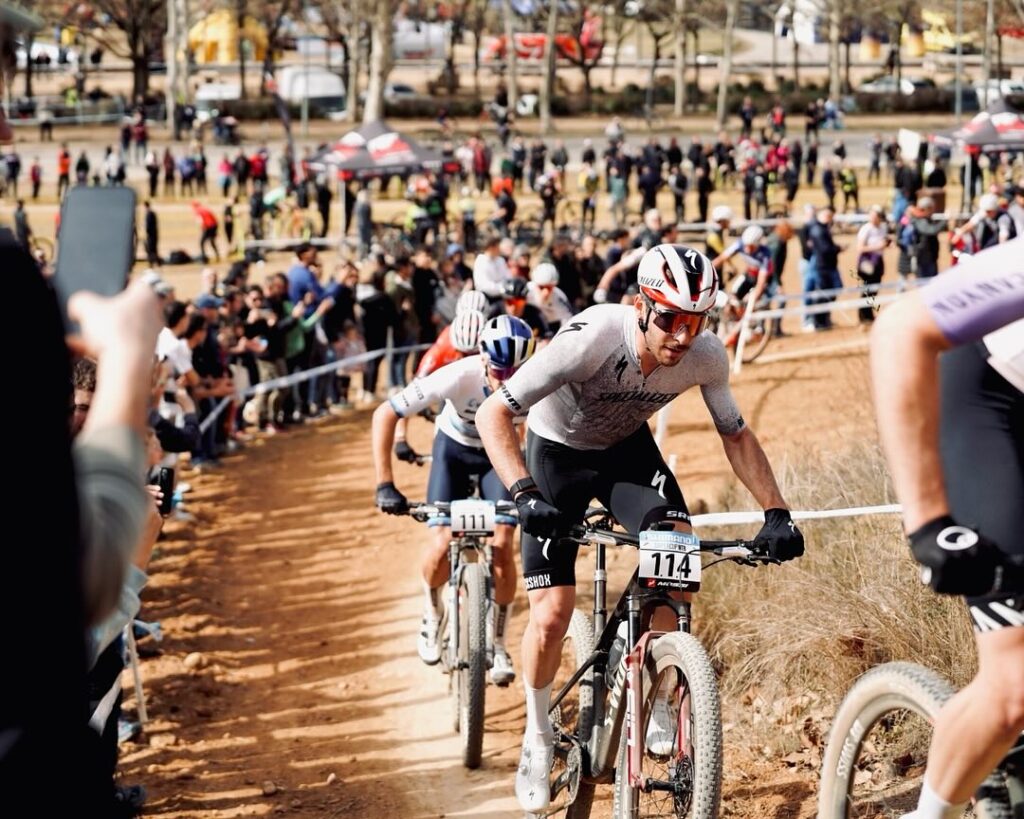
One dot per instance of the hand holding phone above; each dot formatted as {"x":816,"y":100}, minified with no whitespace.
{"x":164,"y":480}
{"x":95,"y":243}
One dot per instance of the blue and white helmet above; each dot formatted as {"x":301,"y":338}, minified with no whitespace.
{"x":505,"y":343}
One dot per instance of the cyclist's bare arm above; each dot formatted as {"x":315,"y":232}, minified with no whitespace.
{"x":751,"y":466}
{"x":495,"y":423}
{"x":385,"y":419}
{"x":905,"y":347}
{"x":759,"y":288}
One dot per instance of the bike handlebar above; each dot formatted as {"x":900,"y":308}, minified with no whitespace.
{"x":729,"y":549}
{"x":423,"y":511}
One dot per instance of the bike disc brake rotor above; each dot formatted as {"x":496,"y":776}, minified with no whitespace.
{"x":681,"y":775}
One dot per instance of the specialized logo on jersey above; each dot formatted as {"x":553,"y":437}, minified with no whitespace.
{"x":637,"y":395}
{"x":576,"y":325}
{"x":507,"y":396}
{"x":620,"y":368}
{"x":659,"y":482}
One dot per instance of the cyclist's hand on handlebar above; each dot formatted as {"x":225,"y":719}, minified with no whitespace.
{"x":537,"y":517}
{"x":404,"y":452}
{"x":779,"y":538}
{"x":390,"y":500}
{"x":956,"y":559}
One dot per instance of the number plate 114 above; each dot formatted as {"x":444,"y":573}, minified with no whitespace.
{"x":670,"y":560}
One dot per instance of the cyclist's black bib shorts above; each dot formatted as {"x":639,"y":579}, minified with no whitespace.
{"x":982,"y":444}
{"x":630,"y":479}
{"x":452,"y":468}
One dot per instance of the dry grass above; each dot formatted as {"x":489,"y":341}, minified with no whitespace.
{"x":807,"y":629}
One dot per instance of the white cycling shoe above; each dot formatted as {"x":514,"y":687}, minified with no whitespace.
{"x":662,"y":728}
{"x":428,"y":643}
{"x":502,"y":673}
{"x":533,"y":777}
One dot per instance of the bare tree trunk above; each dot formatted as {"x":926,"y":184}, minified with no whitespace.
{"x":679,"y":103}
{"x":620,"y":38}
{"x":847,"y":86}
{"x":548,"y":80}
{"x":986,"y":70}
{"x":381,"y":59}
{"x":511,"y":58}
{"x":171,"y":59}
{"x":352,"y":104}
{"x":834,"y":75}
{"x":30,"y":39}
{"x":723,"y":86}
{"x":240,"y":22}
{"x":796,"y":60}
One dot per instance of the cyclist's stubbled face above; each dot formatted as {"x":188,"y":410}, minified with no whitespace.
{"x":669,"y":345}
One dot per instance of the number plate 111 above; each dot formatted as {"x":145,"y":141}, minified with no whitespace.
{"x":670,"y":560}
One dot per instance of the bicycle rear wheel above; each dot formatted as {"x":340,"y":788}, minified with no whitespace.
{"x":679,"y":666}
{"x":877,"y":749}
{"x":472,"y":661}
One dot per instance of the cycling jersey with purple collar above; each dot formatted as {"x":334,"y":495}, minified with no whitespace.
{"x":981,"y":294}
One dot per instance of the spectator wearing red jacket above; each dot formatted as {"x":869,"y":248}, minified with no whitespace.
{"x":208,"y":230}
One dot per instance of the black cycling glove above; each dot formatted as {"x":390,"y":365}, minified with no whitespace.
{"x":537,"y":517}
{"x":404,"y":452}
{"x":390,"y":500}
{"x":779,"y":538}
{"x":956,"y":559}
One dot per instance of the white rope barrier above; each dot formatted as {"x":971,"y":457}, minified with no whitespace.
{"x":740,"y":518}
{"x":303,"y":375}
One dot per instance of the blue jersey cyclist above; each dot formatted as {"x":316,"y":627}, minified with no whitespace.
{"x":589,"y":395}
{"x":947,"y":364}
{"x":758,"y":276}
{"x":458,"y":457}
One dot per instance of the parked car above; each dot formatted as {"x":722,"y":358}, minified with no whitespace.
{"x":887,"y":84}
{"x":395,"y":92}
{"x":997,"y":89}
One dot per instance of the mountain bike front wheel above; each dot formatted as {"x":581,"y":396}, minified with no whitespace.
{"x":686,"y":778}
{"x":877,"y":749}
{"x":472,"y":661}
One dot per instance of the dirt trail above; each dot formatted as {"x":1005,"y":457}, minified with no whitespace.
{"x":301,"y":603}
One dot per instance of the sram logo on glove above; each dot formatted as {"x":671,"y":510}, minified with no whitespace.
{"x":957,"y":538}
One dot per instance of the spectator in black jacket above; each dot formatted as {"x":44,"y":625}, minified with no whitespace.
{"x":825,"y":264}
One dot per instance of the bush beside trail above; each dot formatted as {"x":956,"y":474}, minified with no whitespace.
{"x":789,"y":640}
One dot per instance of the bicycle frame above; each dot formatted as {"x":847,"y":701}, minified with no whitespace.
{"x":636,"y":607}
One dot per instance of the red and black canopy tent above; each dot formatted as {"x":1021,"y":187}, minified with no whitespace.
{"x":998,"y":128}
{"x":377,"y":150}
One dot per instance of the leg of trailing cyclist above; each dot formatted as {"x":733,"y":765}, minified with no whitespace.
{"x":504,"y":565}
{"x":435,"y":570}
{"x":977,"y":727}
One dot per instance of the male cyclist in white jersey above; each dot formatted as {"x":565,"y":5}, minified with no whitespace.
{"x":458,"y":456}
{"x":590,"y":393}
{"x":947,"y":362}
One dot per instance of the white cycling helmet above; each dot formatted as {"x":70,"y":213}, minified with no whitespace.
{"x":465,"y":330}
{"x":544,"y":274}
{"x":988,"y":202}
{"x":722,"y":213}
{"x":679,"y":278}
{"x":752,"y":235}
{"x":472,"y":300}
